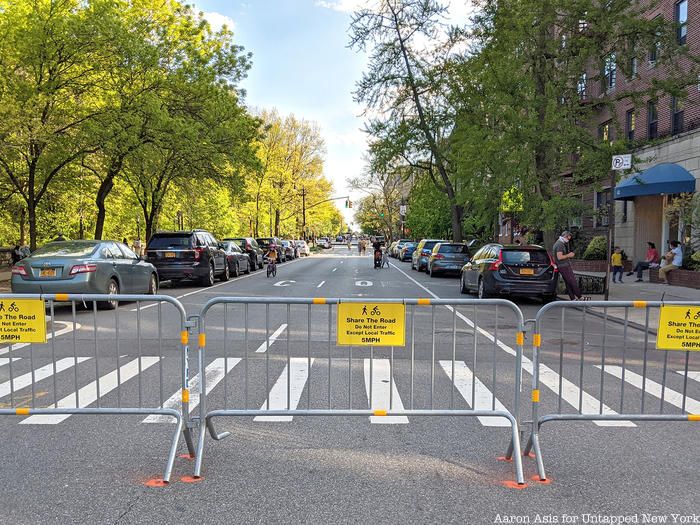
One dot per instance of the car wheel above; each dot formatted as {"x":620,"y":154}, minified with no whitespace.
{"x":226,"y":275}
{"x":462,"y":285}
{"x":546,"y":299}
{"x":481,"y":290}
{"x":236,"y":270}
{"x":247,"y":267}
{"x":260,"y":264}
{"x":252,"y":263}
{"x":153,"y":285}
{"x":208,"y":280}
{"x":112,"y":289}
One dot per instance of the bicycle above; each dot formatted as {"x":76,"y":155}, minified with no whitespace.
{"x":271,"y":268}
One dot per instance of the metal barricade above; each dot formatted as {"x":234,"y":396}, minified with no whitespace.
{"x":114,"y":361}
{"x":611,"y":357}
{"x":444,"y":368}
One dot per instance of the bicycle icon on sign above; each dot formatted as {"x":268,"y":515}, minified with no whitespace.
{"x":13,"y":307}
{"x":375,"y":311}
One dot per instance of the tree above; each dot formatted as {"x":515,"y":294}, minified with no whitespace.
{"x":403,"y":86}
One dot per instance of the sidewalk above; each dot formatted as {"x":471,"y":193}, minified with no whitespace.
{"x":5,"y":276}
{"x":644,"y":291}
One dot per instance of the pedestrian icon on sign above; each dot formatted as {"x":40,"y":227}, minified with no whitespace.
{"x":364,"y":310}
{"x":687,"y":314}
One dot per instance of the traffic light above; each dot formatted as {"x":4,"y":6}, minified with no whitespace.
{"x":349,"y":204}
{"x":381,"y":214}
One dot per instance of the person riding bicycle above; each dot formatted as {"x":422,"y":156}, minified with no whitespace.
{"x":272,"y":255}
{"x":377,"y":245}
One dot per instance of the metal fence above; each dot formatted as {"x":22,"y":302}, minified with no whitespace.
{"x":612,"y":380}
{"x":291,"y":342}
{"x":90,"y":354}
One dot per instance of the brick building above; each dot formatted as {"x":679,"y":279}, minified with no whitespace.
{"x":664,"y":133}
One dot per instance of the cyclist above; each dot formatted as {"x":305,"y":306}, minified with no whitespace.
{"x":272,"y":260}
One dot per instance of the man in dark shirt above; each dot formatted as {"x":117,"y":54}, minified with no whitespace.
{"x":562,"y":254}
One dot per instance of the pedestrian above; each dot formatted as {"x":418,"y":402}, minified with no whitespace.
{"x":59,"y":237}
{"x":674,"y":259}
{"x":651,"y":261}
{"x":125,"y":241}
{"x":562,"y":254}
{"x":385,"y":258}
{"x":16,"y":255}
{"x":616,"y":261}
{"x":25,"y":251}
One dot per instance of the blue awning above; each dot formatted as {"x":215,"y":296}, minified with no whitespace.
{"x":666,"y":178}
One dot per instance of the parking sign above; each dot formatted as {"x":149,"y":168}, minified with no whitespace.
{"x":621,"y":162}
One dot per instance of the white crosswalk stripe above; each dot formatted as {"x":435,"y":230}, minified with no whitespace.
{"x":297,"y":373}
{"x":482,"y":395}
{"x":213,"y":373}
{"x":25,"y":380}
{"x":267,"y":344}
{"x":88,"y":394}
{"x":653,"y":388}
{"x":381,"y":383}
{"x":6,"y":360}
{"x":692,"y":374}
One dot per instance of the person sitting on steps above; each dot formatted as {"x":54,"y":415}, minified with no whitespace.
{"x":651,"y":261}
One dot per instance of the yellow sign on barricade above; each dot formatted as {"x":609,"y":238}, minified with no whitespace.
{"x":22,"y":321}
{"x":371,"y":324}
{"x":679,"y":328}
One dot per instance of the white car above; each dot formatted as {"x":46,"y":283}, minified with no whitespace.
{"x":304,"y":250}
{"x":324,"y":242}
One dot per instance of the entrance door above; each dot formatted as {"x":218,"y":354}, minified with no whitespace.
{"x":648,"y":224}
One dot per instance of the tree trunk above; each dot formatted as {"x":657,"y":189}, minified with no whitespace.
{"x":22,"y":226}
{"x":31,"y":212}
{"x":277,"y":223}
{"x":102,"y":193}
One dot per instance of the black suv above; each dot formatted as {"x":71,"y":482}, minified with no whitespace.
{"x":498,"y":269}
{"x":187,"y":255}
{"x":251,"y":247}
{"x":265,"y":242}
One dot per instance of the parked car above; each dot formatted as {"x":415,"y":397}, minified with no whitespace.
{"x":447,"y":257}
{"x":290,"y":251}
{"x":324,"y":242}
{"x":264,"y":243}
{"x":419,"y":259}
{"x":391,"y":248}
{"x":498,"y":269}
{"x":397,"y":247}
{"x":406,"y":252}
{"x":184,"y":255}
{"x":251,"y":247}
{"x":238,"y":261}
{"x":83,"y":267}
{"x":303,"y":248}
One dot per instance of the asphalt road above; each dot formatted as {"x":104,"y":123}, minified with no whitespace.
{"x":95,"y":469}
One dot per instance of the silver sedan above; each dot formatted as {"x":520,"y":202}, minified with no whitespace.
{"x":77,"y":267}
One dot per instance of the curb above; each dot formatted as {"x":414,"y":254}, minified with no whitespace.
{"x":617,"y":320}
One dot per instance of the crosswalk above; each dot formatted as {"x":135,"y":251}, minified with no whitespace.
{"x":383,"y":386}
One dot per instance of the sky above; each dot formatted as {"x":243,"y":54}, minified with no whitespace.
{"x":302,"y":66}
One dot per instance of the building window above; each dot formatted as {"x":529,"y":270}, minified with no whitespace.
{"x":610,"y":71}
{"x":602,"y":207}
{"x":654,"y":53}
{"x":634,"y":67}
{"x":652,"y":121}
{"x":581,"y":88}
{"x":677,"y":113}
{"x":630,"y":124}
{"x":682,"y":21}
{"x":576,"y":221}
{"x":605,"y":131}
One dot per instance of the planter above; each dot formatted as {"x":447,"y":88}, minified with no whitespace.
{"x":581,"y":265}
{"x":680,"y":277}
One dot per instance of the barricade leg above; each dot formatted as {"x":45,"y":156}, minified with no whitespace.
{"x":173,"y":450}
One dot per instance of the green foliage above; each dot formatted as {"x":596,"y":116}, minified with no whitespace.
{"x":429,"y":212}
{"x":597,"y":249}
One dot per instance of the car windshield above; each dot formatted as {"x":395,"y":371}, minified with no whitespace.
{"x":264,"y":243}
{"x":160,"y":242}
{"x":66,"y":249}
{"x":454,"y":248}
{"x":429,"y":245}
{"x":525,"y":257}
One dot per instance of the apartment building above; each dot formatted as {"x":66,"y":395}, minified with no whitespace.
{"x":664,"y":134}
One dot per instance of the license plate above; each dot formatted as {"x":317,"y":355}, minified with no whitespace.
{"x":527,"y":271}
{"x":170,"y":255}
{"x":47,"y":272}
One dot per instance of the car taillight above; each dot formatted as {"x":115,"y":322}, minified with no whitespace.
{"x":551,"y":261}
{"x":198,"y":253}
{"x":83,"y":268}
{"x":438,"y":256}
{"x":19,"y":270}
{"x":494,"y":266}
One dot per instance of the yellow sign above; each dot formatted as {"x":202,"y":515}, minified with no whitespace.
{"x":371,"y":324}
{"x":22,"y":321}
{"x":679,"y":328}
